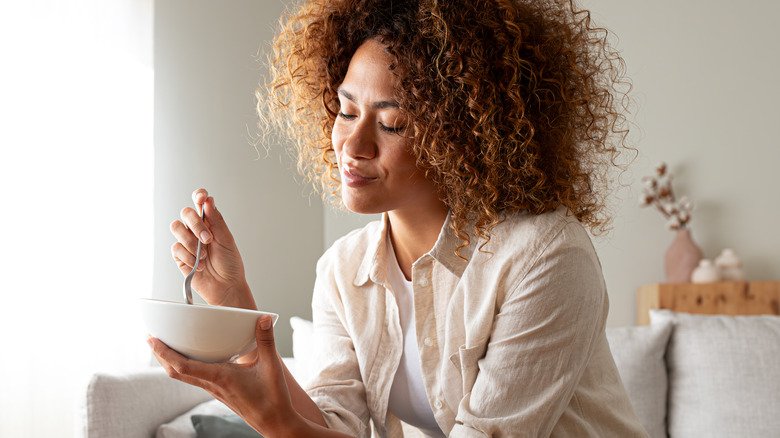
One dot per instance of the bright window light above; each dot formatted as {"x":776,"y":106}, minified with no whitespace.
{"x":76,"y":169}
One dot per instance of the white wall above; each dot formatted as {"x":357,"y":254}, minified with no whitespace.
{"x":338,"y":222}
{"x":205,"y":76}
{"x":705,"y":76}
{"x":74,"y":76}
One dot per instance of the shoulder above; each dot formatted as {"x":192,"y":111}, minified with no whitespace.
{"x":533,"y":234}
{"x":525,"y":241}
{"x":549,"y":263}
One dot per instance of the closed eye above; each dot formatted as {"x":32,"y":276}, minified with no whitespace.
{"x":391,"y":130}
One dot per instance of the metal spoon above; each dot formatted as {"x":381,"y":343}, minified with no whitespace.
{"x":188,"y":279}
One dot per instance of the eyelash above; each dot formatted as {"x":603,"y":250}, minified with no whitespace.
{"x":383,"y":127}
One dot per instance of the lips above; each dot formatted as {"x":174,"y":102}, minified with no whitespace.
{"x":356,"y":178}
{"x":356,"y":174}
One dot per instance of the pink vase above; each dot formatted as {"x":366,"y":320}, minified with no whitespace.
{"x":682,"y":257}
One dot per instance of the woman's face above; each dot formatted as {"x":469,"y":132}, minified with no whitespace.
{"x":377,"y":168}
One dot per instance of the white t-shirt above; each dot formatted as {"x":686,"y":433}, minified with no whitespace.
{"x":408,"y":400}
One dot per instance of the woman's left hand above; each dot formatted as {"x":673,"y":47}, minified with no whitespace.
{"x":256,"y":390}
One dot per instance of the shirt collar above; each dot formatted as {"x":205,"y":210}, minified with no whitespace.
{"x":374,"y":264}
{"x":375,"y":258}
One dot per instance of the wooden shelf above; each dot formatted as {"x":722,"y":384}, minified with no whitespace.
{"x":722,"y":298}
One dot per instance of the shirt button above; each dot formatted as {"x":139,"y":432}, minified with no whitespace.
{"x":428,"y":342}
{"x":438,"y":404}
{"x":423,"y":281}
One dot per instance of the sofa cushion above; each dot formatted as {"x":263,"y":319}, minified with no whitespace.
{"x":182,"y":427}
{"x":639,"y":356}
{"x":302,"y":344}
{"x":724,"y":378}
{"x":219,"y":426}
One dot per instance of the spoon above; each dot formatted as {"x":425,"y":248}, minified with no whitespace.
{"x":188,"y":279}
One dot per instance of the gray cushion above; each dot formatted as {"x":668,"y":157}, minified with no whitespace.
{"x":181,"y":426}
{"x":228,"y":426}
{"x":724,"y":375}
{"x":639,"y":356}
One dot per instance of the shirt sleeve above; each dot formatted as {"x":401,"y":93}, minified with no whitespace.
{"x":542,"y":340}
{"x":335,"y":385}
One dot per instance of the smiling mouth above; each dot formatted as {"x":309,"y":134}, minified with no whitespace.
{"x":352,"y":173}
{"x":355,"y":179}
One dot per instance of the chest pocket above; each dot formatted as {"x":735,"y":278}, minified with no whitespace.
{"x":465,"y":361}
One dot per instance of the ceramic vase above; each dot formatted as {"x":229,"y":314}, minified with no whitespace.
{"x":682,"y":257}
{"x":730,"y":266}
{"x":706,"y":272}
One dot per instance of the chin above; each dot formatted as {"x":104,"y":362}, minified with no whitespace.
{"x":362,"y":205}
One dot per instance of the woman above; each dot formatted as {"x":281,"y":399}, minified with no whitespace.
{"x":483,"y":131}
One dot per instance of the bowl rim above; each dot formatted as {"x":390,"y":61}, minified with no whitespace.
{"x":210,"y":307}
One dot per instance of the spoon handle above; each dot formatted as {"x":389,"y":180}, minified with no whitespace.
{"x":188,"y":279}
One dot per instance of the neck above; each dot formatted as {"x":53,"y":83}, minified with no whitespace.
{"x":414,"y":232}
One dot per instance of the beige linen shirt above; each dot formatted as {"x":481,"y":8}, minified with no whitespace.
{"x":511,"y":341}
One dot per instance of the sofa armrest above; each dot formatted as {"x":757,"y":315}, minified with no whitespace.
{"x":134,"y":404}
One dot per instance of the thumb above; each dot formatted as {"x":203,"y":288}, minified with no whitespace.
{"x":264,"y":334}
{"x":215,"y":221}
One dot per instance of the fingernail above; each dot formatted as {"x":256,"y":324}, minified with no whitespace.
{"x":205,"y":236}
{"x":203,"y":254}
{"x":265,"y":323}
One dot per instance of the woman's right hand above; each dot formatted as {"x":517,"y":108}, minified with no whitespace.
{"x":220,"y":278}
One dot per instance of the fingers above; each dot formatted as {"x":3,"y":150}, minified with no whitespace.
{"x":181,"y":368}
{"x":216,"y":223}
{"x":199,"y":196}
{"x":213,"y":216}
{"x":184,"y":250}
{"x":186,"y":259}
{"x":184,"y":236}
{"x":172,"y":373}
{"x":192,"y":220}
{"x":264,"y":334}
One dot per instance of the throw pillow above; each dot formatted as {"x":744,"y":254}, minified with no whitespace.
{"x":228,"y":426}
{"x":724,"y":377}
{"x":181,"y":426}
{"x":302,"y":348}
{"x":639,"y":357}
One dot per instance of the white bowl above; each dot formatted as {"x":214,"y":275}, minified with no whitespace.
{"x":202,"y":332}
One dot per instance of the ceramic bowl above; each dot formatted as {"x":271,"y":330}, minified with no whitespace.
{"x":202,"y":332}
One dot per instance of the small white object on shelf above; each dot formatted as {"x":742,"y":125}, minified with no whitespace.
{"x":706,"y":272}
{"x":729,"y":266}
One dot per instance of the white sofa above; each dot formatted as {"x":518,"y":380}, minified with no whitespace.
{"x":687,"y":376}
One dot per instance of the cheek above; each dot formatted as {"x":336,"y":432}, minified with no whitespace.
{"x":406,"y":158}
{"x":337,"y":140}
{"x":404,"y":163}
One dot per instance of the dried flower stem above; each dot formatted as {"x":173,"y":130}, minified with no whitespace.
{"x":658,"y":192}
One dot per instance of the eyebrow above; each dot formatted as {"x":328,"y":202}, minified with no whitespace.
{"x":382,"y":104}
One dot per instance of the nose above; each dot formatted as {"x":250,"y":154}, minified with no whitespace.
{"x":360,"y":141}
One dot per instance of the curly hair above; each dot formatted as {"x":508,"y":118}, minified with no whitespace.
{"x":515,"y":105}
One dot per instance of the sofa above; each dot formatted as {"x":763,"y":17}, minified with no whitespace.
{"x":686,"y":376}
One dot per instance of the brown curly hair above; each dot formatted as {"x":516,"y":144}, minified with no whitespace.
{"x":515,"y":105}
